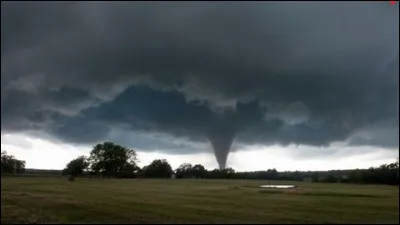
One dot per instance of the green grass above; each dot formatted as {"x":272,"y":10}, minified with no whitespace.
{"x":55,"y":200}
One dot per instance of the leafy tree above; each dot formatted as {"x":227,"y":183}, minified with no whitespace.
{"x":76,"y":166}
{"x":19,"y":166}
{"x":159,"y":168}
{"x":110,"y":159}
{"x":331,"y":179}
{"x":315,"y":178}
{"x":130,"y":171}
{"x":184,"y":171}
{"x":396,"y":165}
{"x":229,"y":172}
{"x":9,"y":164}
{"x":221,"y":174}
{"x":199,"y":171}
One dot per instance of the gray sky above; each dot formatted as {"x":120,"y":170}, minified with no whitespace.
{"x":170,"y":77}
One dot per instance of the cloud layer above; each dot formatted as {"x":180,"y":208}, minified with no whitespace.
{"x":306,"y":73}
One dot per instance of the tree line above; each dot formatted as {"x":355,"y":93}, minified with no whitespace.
{"x":114,"y":161}
{"x":9,"y":164}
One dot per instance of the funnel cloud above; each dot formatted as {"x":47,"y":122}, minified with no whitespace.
{"x":221,"y":146}
{"x":221,"y":138}
{"x":189,"y":77}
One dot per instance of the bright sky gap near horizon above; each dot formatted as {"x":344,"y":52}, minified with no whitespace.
{"x":285,"y":85}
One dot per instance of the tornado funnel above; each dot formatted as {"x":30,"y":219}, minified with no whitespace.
{"x":221,"y":134}
{"x":222,"y":145}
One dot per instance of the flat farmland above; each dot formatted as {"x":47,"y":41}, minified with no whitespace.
{"x":55,"y":200}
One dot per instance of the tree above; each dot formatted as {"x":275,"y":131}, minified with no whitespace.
{"x":184,"y":171}
{"x":76,"y":166}
{"x":397,"y":167}
{"x":159,"y":168}
{"x":199,"y":171}
{"x":6,"y":162}
{"x":130,"y":171}
{"x":221,"y":173}
{"x":110,"y":159}
{"x":228,"y":172}
{"x":9,"y":164}
{"x":19,"y":166}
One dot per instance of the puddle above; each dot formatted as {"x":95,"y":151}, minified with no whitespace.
{"x":279,"y":186}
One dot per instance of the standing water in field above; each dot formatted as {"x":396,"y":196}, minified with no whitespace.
{"x":278,"y":186}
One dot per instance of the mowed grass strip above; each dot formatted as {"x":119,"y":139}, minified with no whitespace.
{"x":55,"y":200}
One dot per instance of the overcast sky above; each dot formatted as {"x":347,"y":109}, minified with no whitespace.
{"x":289,"y":85}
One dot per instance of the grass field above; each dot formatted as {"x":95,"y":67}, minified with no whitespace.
{"x":55,"y":200}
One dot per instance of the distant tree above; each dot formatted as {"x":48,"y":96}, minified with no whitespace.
{"x":229,"y":172}
{"x":331,"y":179}
{"x":112,"y":160}
{"x":159,"y":168}
{"x":130,"y":170}
{"x":9,"y":164}
{"x":315,"y":178}
{"x":19,"y":166}
{"x":199,"y":171}
{"x":397,"y":167}
{"x":6,"y":162}
{"x":221,"y":174}
{"x":76,"y":166}
{"x":394,"y":165}
{"x":184,"y":171}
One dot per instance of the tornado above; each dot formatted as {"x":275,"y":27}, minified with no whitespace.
{"x":221,"y":138}
{"x":221,"y":146}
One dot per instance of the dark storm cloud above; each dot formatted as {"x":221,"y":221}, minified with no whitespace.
{"x":28,"y":24}
{"x":265,"y":72}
